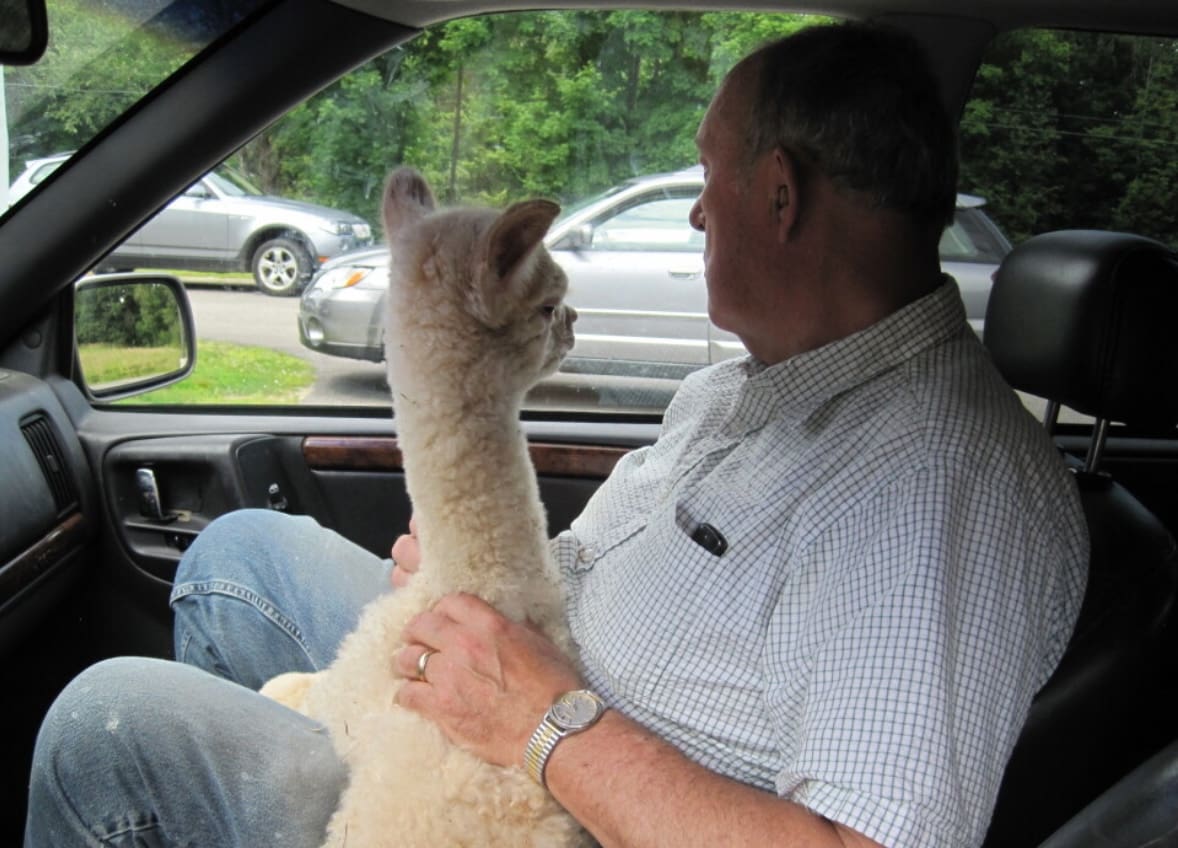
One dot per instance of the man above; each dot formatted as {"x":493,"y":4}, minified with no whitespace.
{"x":816,"y":609}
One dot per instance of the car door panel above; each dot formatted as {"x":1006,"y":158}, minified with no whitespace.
{"x":355,"y":473}
{"x":46,"y":509}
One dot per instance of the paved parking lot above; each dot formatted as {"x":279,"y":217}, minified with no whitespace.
{"x":248,"y":317}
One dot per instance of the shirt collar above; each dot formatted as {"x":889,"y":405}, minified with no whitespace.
{"x":797,"y":387}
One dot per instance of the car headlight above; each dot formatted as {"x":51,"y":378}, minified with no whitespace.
{"x":348,"y":228}
{"x":342,"y":278}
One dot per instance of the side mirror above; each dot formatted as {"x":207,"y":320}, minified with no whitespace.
{"x":133,"y":333}
{"x":24,"y":31}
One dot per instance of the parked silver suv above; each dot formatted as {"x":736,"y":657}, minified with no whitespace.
{"x":221,"y":223}
{"x":635,"y":269}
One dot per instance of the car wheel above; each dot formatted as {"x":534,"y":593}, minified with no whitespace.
{"x":281,"y":267}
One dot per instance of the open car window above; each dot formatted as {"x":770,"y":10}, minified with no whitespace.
{"x":1074,"y":130}
{"x":597,"y":110}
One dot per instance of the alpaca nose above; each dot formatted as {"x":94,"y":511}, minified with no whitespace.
{"x":572,"y":315}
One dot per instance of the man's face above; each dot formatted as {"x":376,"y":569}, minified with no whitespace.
{"x":733,"y":212}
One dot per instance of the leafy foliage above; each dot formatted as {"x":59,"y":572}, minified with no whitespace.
{"x":132,"y":315}
{"x":1070,"y":129}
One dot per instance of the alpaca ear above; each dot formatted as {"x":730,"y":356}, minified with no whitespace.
{"x":407,"y":198}
{"x":514,"y":236}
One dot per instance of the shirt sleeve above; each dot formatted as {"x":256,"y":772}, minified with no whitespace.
{"x":921,"y":650}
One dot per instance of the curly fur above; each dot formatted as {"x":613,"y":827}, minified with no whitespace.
{"x":475,"y":318}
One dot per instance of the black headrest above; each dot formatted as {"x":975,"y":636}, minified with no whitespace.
{"x":1090,"y":319}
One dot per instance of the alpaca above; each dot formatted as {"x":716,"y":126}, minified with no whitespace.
{"x":474,"y":319}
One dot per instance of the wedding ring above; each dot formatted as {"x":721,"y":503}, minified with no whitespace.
{"x":421,"y":662}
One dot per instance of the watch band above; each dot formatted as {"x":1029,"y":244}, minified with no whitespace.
{"x":540,"y":748}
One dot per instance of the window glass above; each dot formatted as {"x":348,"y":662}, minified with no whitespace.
{"x":597,"y":110}
{"x":1075,"y":130}
{"x":101,"y":59}
{"x":972,"y":237}
{"x":655,"y":225}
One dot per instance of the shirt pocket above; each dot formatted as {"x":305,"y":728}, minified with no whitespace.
{"x":649,"y":590}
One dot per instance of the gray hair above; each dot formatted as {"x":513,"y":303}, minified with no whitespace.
{"x":859,"y":102}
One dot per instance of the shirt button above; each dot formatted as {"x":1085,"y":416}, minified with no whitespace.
{"x":586,"y":554}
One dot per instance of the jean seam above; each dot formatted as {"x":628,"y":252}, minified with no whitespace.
{"x":246,"y":595}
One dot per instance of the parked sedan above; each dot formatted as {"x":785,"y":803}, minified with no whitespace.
{"x":222,"y":223}
{"x":635,"y":269}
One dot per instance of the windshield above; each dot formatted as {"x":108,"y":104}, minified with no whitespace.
{"x":103,"y":56}
{"x":232,"y":184}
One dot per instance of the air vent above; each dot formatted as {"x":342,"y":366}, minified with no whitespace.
{"x":39,"y":434}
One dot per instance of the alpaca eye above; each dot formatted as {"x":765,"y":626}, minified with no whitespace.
{"x":548,"y":310}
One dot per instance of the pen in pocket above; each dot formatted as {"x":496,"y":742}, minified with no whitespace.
{"x":710,"y":539}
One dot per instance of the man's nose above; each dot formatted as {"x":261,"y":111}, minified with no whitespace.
{"x":696,"y":216}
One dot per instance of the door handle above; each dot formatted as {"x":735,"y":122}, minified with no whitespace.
{"x":693,"y":274}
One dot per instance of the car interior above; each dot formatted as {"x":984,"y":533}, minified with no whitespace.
{"x":100,"y":493}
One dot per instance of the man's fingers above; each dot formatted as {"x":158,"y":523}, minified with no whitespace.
{"x":400,"y":577}
{"x":407,"y":553}
{"x":414,"y":660}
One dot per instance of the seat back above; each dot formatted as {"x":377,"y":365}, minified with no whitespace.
{"x":1141,"y":811}
{"x":1085,"y":319}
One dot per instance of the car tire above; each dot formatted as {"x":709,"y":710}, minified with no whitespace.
{"x":281,"y":267}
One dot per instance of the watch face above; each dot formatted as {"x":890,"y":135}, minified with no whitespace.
{"x":575,"y":710}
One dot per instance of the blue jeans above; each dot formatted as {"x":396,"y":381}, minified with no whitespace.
{"x":145,"y":752}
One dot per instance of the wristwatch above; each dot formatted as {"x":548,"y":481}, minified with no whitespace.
{"x":572,"y":712}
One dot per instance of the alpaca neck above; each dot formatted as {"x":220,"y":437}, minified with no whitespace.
{"x":474,"y":493}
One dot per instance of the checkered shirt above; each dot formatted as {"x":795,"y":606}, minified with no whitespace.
{"x":906,"y":556}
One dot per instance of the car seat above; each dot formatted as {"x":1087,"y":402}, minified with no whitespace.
{"x":1085,"y":319}
{"x":1141,"y":811}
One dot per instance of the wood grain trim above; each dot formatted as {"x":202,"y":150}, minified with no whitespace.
{"x":41,"y":556}
{"x":381,"y":453}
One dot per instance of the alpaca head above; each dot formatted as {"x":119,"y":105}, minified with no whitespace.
{"x":472,"y":290}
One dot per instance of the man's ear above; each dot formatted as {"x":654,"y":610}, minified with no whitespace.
{"x":785,"y":189}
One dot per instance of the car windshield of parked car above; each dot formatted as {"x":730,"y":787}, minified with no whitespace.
{"x":596,"y":110}
{"x":232,"y":184}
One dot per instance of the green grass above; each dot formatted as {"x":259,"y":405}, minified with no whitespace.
{"x":231,"y":278}
{"x":225,"y":374}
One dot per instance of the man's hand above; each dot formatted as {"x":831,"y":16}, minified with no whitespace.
{"x":406,"y":555}
{"x":490,"y":682}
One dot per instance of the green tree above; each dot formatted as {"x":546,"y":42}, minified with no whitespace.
{"x":139,"y":315}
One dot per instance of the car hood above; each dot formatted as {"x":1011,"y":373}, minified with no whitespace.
{"x":253,"y":201}
{"x":367,"y":256}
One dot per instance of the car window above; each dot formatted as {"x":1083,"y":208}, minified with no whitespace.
{"x":596,"y":110}
{"x":1070,"y":129}
{"x":591,"y":109}
{"x":972,"y":237}
{"x":42,"y":171}
{"x":651,"y":225}
{"x":75,"y":90}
